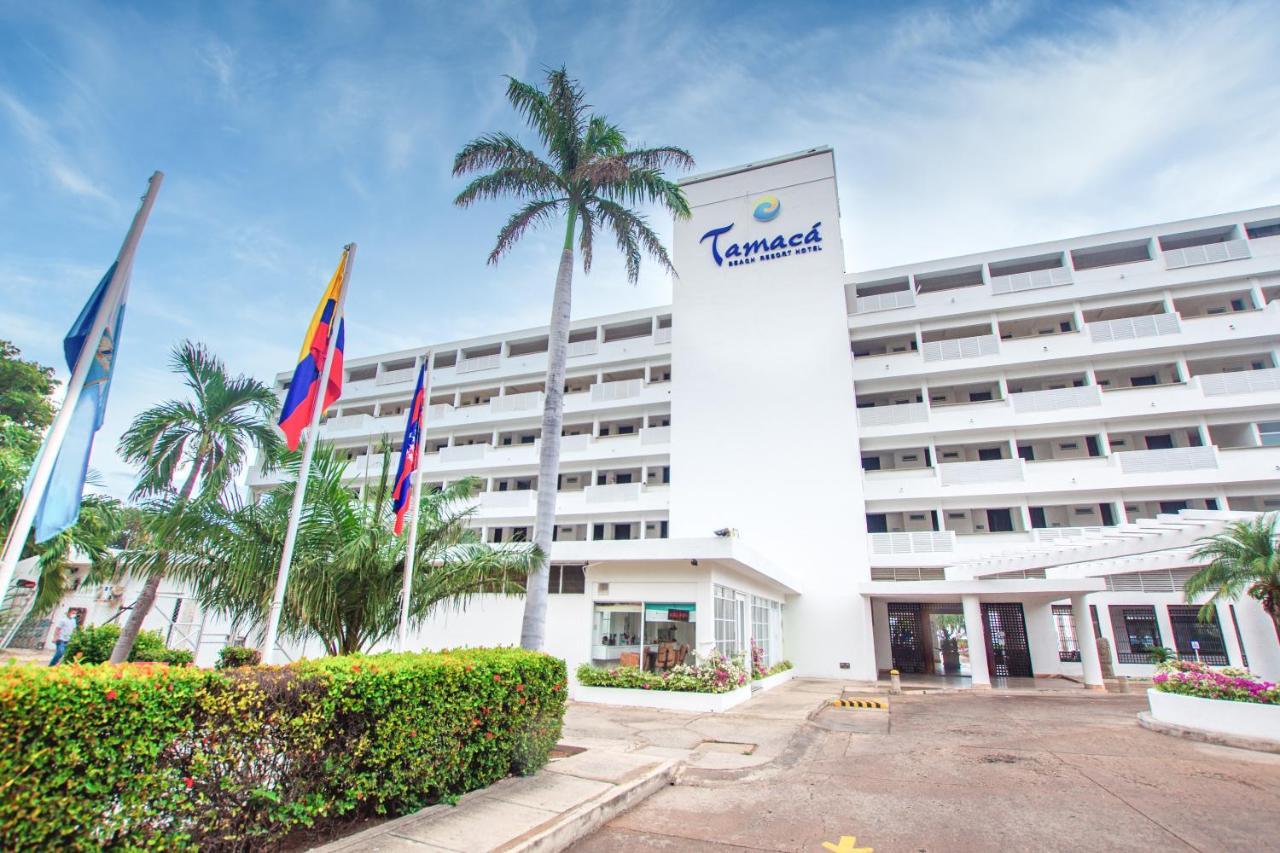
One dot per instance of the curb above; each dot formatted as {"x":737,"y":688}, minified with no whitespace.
{"x":586,"y":818}
{"x":1205,"y":736}
{"x":878,"y":704}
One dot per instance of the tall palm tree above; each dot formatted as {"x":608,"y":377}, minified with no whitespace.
{"x":588,"y":178}
{"x":346,"y":580}
{"x":210,"y":435}
{"x":1241,"y":560}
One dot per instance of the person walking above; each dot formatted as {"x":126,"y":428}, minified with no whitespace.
{"x":62,"y":632}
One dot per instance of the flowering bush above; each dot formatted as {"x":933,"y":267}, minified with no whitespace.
{"x":147,"y":756}
{"x":1187,"y":678}
{"x":715,"y":673}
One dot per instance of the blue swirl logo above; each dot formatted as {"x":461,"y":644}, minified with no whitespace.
{"x":767,"y":208}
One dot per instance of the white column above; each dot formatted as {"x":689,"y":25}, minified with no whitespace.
{"x":1087,"y":643}
{"x":977,"y":634}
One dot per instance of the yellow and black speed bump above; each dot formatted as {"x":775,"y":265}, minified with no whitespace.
{"x":878,"y":704}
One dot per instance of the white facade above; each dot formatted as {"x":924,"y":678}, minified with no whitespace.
{"x":1034,"y":403}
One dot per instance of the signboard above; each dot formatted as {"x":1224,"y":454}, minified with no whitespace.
{"x":663,"y":612}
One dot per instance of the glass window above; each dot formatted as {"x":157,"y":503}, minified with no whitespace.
{"x":1065,"y":622}
{"x":766,"y":628}
{"x":1270,"y":432}
{"x":668,"y":634}
{"x":616,"y":634}
{"x":726,"y":620}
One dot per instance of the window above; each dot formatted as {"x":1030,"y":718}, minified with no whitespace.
{"x":1065,"y":622}
{"x":616,"y":634}
{"x":1139,"y":381}
{"x":871,"y":463}
{"x":1269,"y":433}
{"x":1136,"y":632}
{"x":989,"y":454}
{"x":1159,"y":442}
{"x":766,"y":628}
{"x":566,"y":580}
{"x":877,"y":522}
{"x":999,"y":520}
{"x":1196,"y":640}
{"x":726,"y":620}
{"x":979,"y":396}
{"x":1026,"y":452}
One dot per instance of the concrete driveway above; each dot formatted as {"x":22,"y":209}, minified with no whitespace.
{"x":980,"y":771}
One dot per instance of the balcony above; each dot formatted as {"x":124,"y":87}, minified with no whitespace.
{"x":662,"y":335}
{"x":1168,"y":459}
{"x":394,"y":377}
{"x":973,"y":347}
{"x":918,"y":542}
{"x":1212,"y":253}
{"x":1034,"y":280}
{"x":604,"y":392}
{"x":1053,"y":399}
{"x":906,"y":413}
{"x":885,"y":301}
{"x":655,"y":435}
{"x":1240,"y":382}
{"x":463,"y":453}
{"x":529,"y":401}
{"x":990,"y":471}
{"x":612,"y":493}
{"x":348,"y":423}
{"x":577,"y":349}
{"x":518,"y":499}
{"x":479,"y":362}
{"x":1129,"y":328}
{"x":1066,"y":535}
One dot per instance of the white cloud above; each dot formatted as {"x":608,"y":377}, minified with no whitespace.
{"x":48,"y":152}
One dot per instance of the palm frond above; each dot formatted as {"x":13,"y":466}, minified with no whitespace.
{"x":534,"y":213}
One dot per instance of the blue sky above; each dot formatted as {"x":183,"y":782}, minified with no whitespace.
{"x":288,"y":129}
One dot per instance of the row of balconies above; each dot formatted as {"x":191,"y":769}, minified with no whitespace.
{"x":1122,"y":470}
{"x":1126,"y":260}
{"x":592,"y":500}
{"x":1211,"y":392}
{"x":1166,"y":330}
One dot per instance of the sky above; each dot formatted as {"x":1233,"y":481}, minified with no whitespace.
{"x":287,"y":129}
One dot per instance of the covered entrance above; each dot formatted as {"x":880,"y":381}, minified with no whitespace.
{"x":928,"y":638}
{"x":1008,"y":653}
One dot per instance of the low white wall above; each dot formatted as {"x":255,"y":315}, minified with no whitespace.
{"x":1243,"y":719}
{"x":666,"y":700}
{"x":771,"y":681}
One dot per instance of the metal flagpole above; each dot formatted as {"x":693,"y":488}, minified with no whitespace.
{"x":300,"y":490}
{"x":48,"y":454}
{"x":402,"y":634}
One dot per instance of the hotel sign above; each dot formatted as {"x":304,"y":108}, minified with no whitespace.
{"x":765,"y":248}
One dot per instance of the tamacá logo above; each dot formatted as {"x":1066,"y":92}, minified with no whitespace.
{"x":767,"y":208}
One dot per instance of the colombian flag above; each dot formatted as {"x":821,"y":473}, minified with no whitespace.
{"x":409,"y":453}
{"x":299,"y":403}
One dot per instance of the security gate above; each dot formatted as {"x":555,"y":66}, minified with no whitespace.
{"x":906,"y":637}
{"x":1008,"y":655}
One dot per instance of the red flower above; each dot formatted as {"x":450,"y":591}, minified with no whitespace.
{"x":188,"y":781}
{"x":475,"y":721}
{"x":470,"y":667}
{"x":497,"y":677}
{"x":519,"y":688}
{"x":488,"y":735}
{"x":111,"y":694}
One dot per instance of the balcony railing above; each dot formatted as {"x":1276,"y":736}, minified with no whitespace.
{"x":974,"y":347}
{"x":463,"y":453}
{"x":1129,"y":328}
{"x":603,"y":392}
{"x":391,"y":377}
{"x":439,"y":410}
{"x":612,"y":493}
{"x":1240,"y":382}
{"x":655,"y":435}
{"x":527,"y":401}
{"x":1168,"y":459}
{"x":515,"y":499}
{"x":916,"y":542}
{"x":662,"y":335}
{"x":1056,"y":398}
{"x":575,"y":443}
{"x":1019,"y":282}
{"x":905,"y":413}
{"x":479,"y":362}
{"x":885,"y":301}
{"x":579,"y":348}
{"x":1064,"y":534}
{"x":987,"y":471}
{"x":1193,"y":256}
{"x":346,"y":422}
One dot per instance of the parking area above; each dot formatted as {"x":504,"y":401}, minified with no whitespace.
{"x":966,"y":771}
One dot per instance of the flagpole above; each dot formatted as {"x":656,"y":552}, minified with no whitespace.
{"x":406,"y":586}
{"x":300,"y":490}
{"x":48,"y":454}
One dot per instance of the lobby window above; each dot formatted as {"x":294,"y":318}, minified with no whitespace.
{"x":1136,"y":632}
{"x":1065,"y":623}
{"x":1196,"y":640}
{"x":616,"y":634}
{"x":728,"y":637}
{"x":766,"y":628}
{"x":566,"y":580}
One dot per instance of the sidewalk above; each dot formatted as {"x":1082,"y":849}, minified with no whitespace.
{"x":628,"y":754}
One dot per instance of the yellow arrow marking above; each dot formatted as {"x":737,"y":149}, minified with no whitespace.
{"x":845,"y":845}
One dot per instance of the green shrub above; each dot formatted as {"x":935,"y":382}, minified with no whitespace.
{"x":240,"y":757}
{"x":713,"y":674}
{"x":94,"y":643}
{"x":233,"y":656}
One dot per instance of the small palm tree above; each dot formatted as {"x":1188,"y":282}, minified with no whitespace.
{"x":93,"y":534}
{"x":586,"y":180}
{"x":210,"y":434}
{"x":1241,"y":560}
{"x":346,"y":580}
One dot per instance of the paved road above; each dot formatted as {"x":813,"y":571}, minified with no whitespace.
{"x":969,"y":772}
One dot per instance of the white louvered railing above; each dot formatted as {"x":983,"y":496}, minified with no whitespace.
{"x":974,"y":347}
{"x":1240,"y":382}
{"x":655,"y":435}
{"x":463,"y":453}
{"x":885,"y":301}
{"x":603,"y":392}
{"x":990,"y":471}
{"x":1056,"y":398}
{"x":391,"y":377}
{"x":527,"y":401}
{"x":1169,"y":459}
{"x":662,"y":335}
{"x":916,"y":542}
{"x":514,"y":499}
{"x":1194,"y":256}
{"x":578,"y":348}
{"x":1128,"y":328}
{"x":613,"y":493}
{"x":479,"y":362}
{"x":906,"y":413}
{"x":1065,"y":534}
{"x":1034,"y":280}
{"x":575,"y":443}
{"x":439,"y":410}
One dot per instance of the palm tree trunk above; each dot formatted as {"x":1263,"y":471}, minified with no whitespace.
{"x":147,"y":598}
{"x":533,"y":632}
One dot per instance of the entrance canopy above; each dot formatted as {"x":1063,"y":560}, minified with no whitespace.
{"x":728,"y":552}
{"x":1030,"y":590}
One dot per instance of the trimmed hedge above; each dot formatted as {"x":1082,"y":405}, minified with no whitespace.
{"x":94,"y":644}
{"x":231,"y":657}
{"x":148,"y":756}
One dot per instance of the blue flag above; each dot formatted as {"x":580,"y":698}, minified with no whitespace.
{"x":60,"y":506}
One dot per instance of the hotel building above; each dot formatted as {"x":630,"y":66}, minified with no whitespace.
{"x":967,"y":467}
